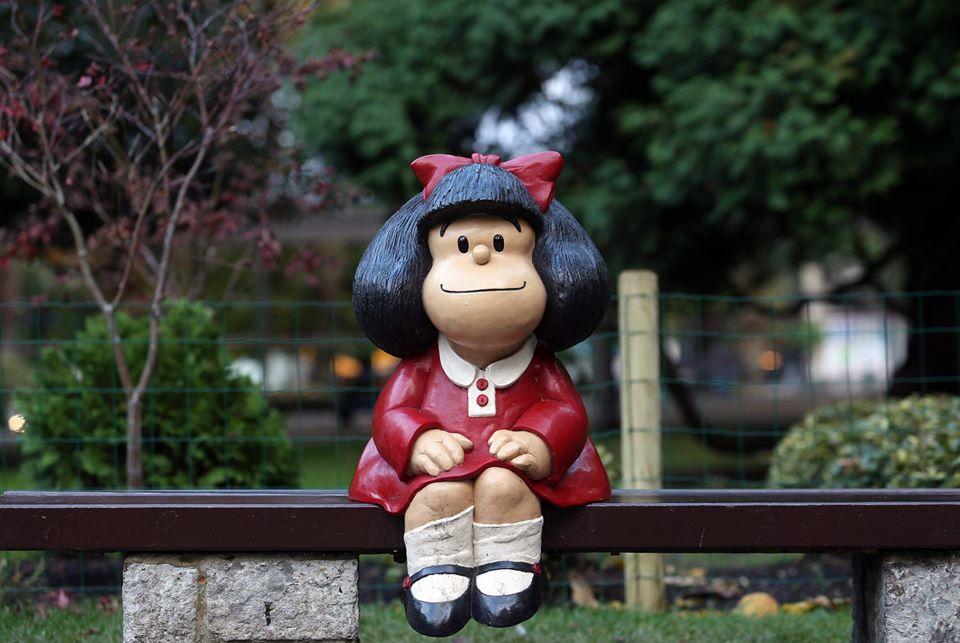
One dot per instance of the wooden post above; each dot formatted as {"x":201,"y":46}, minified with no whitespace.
{"x":640,"y":421}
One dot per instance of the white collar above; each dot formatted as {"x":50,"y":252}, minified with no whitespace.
{"x":502,"y":373}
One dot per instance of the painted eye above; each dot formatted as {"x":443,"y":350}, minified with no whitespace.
{"x":463,"y":244}
{"x":498,"y":243}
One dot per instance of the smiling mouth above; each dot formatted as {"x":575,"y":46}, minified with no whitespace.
{"x":462,"y":292}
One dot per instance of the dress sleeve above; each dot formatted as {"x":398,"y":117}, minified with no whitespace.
{"x":559,"y":418}
{"x":397,"y":418}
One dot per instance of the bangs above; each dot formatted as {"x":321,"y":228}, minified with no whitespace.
{"x":480,"y":188}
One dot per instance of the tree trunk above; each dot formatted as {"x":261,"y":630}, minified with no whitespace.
{"x":933,"y":280}
{"x":933,"y":351}
{"x":135,"y":442}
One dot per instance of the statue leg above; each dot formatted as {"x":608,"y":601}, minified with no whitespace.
{"x":438,"y":535}
{"x":507,"y":544}
{"x":502,"y":497}
{"x":438,"y":501}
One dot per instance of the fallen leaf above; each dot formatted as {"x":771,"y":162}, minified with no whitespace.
{"x":757,"y":604}
{"x":810,"y":604}
{"x":800,"y":607}
{"x":580,"y":591}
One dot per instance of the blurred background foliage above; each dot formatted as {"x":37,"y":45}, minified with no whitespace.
{"x":758,"y":133}
{"x":764,"y":132}
{"x":205,"y":426}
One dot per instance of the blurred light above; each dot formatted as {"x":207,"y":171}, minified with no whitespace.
{"x":771,"y":360}
{"x":347,"y":367}
{"x":17,"y":423}
{"x":382,"y":362}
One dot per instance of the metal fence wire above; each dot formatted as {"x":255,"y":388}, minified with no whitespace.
{"x":735,"y":374}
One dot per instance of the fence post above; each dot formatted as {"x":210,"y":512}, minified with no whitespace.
{"x":640,"y":421}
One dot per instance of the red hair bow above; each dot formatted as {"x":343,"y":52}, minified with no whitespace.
{"x":538,"y":172}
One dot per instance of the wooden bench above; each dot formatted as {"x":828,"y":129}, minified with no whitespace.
{"x":905,"y":543}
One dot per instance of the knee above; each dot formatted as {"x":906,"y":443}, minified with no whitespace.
{"x":442,"y":499}
{"x":502,"y":489}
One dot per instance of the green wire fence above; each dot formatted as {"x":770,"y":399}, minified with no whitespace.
{"x":279,"y":394}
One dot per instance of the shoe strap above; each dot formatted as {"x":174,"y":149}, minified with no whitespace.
{"x":535,"y":568}
{"x":458,"y":570}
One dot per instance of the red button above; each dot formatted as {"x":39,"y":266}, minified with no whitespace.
{"x":482,"y":400}
{"x":482,"y":384}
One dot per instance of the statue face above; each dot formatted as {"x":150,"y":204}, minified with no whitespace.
{"x":483,"y":291}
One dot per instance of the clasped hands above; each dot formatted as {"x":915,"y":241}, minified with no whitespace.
{"x":436,"y":450}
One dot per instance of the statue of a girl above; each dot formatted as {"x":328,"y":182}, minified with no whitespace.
{"x":475,"y":282}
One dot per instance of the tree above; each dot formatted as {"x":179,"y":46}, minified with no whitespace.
{"x":143,"y":128}
{"x":758,"y":133}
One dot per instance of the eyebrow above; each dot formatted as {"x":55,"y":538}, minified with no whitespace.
{"x":511,"y":219}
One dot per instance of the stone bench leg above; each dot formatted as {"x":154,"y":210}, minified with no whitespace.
{"x":913,"y":596}
{"x":244,"y":597}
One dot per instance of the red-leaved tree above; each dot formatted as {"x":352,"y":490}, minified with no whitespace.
{"x":146,"y":130}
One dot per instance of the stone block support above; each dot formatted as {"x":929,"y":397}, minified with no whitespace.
{"x":245,"y":597}
{"x":906,"y":597}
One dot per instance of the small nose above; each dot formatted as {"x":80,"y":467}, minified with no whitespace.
{"x":481,"y":254}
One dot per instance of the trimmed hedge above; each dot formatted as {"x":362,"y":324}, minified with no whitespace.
{"x":913,"y":442}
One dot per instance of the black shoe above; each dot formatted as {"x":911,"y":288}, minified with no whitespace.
{"x":437,"y":619}
{"x":504,"y":611}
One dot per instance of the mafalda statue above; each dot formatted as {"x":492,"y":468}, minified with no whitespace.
{"x":475,"y":283}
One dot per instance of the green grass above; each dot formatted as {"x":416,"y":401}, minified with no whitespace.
{"x":80,"y":622}
{"x":387,"y":623}
{"x":684,"y":455}
{"x":322,"y":466}
{"x":689,"y":462}
{"x":328,"y":466}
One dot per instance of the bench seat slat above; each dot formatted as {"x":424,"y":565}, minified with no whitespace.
{"x":326,"y":521}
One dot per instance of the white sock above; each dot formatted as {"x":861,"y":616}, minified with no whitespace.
{"x":448,"y":541}
{"x":519,"y":542}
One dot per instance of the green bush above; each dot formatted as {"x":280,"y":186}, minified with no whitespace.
{"x":203,"y":425}
{"x":913,"y":442}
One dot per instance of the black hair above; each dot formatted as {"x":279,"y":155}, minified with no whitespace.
{"x":387,"y":288}
{"x":509,"y":217}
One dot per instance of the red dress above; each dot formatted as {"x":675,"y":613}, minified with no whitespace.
{"x":421,"y":396}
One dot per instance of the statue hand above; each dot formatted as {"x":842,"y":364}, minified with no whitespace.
{"x":525,"y":450}
{"x":437,"y":450}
